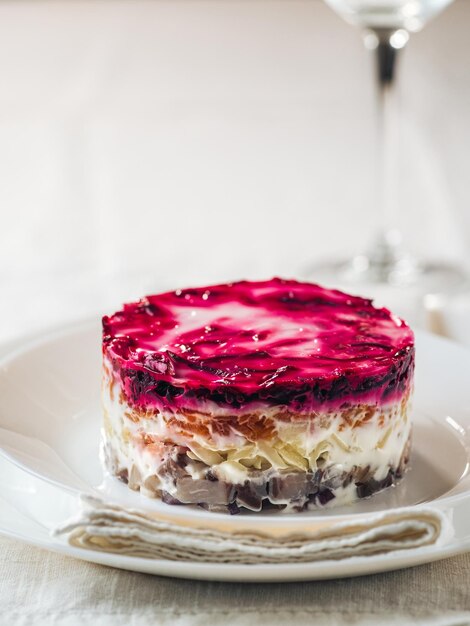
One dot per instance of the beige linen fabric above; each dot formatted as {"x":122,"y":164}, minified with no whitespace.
{"x":45,"y":589}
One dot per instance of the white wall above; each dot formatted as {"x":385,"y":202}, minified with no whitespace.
{"x":151,"y":144}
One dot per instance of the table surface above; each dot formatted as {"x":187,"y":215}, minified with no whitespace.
{"x":41,"y":588}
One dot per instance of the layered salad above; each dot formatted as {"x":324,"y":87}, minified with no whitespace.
{"x":251,"y":395}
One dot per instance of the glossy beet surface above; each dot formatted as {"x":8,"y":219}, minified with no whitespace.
{"x":279,"y":342}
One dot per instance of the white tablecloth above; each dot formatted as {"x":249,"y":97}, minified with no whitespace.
{"x":158,"y":144}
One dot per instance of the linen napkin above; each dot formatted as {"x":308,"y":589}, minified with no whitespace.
{"x":110,"y":528}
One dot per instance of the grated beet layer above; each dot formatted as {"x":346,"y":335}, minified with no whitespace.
{"x":276,"y":342}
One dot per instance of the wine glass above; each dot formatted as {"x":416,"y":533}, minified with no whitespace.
{"x":386,"y":27}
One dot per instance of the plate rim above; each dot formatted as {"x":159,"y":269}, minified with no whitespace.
{"x":319,"y":570}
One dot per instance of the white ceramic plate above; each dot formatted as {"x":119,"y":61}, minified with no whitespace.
{"x":50,"y":423}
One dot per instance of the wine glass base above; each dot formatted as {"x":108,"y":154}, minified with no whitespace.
{"x":402,"y":287}
{"x":361,"y":272}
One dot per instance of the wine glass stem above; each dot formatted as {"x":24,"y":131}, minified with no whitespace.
{"x":386,"y":66}
{"x":386,"y":56}
{"x":386,"y":252}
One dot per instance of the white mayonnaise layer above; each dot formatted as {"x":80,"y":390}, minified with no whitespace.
{"x":326,"y":441}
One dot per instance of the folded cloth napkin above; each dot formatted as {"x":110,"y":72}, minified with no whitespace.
{"x":110,"y":528}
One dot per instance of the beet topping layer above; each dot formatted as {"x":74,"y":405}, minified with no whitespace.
{"x":277,"y":343}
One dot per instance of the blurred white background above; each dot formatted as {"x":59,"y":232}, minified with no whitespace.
{"x":149,"y":144}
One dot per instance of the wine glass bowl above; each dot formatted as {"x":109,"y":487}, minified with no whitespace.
{"x":386,"y":26}
{"x":410,"y":15}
